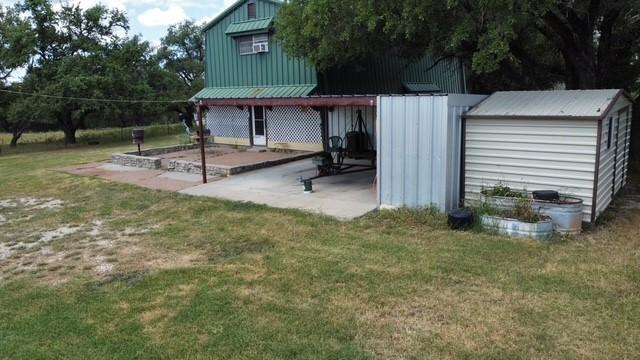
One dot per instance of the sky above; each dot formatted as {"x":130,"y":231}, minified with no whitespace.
{"x":151,"y":18}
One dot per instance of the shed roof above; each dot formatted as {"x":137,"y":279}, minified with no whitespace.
{"x":247,"y":27}
{"x":555,"y":104}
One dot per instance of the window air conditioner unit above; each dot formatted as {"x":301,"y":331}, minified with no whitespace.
{"x":260,"y":48}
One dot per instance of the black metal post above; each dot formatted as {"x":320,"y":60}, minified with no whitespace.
{"x":139,"y":152}
{"x":201,"y":136}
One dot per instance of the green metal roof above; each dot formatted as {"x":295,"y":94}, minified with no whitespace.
{"x":254,"y":92}
{"x":253,"y":26}
{"x":418,"y":87}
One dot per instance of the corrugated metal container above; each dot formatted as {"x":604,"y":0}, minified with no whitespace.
{"x":548,"y":140}
{"x":419,"y":149}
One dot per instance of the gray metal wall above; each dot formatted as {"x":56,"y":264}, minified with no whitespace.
{"x":419,"y":139}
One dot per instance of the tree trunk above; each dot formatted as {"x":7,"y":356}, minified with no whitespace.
{"x":68,"y":127}
{"x":15,"y":136}
{"x":70,"y":135}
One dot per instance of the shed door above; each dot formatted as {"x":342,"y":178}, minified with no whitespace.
{"x":259,"y":126}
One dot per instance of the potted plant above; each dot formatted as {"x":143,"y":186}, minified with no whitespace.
{"x":501,"y":197}
{"x":521,"y":221}
{"x":564,"y":211}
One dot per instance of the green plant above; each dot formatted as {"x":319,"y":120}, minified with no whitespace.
{"x":523,"y":211}
{"x":502,"y":190}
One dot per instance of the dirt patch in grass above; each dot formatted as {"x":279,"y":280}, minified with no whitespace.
{"x":95,"y":249}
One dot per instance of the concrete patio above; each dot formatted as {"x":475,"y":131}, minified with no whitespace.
{"x":345,"y":196}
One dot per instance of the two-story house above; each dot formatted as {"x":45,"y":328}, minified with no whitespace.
{"x":257,"y":95}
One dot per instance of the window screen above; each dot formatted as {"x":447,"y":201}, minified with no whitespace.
{"x":245,"y":44}
{"x":251,"y":11}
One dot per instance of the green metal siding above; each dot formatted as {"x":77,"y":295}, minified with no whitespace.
{"x":387,"y":75}
{"x":250,"y":26}
{"x":225,"y":67}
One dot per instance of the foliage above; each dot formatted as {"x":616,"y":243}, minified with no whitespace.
{"x":16,"y":42}
{"x":508,"y":44}
{"x":522,"y":208}
{"x":181,"y":54}
{"x":80,"y":54}
{"x":502,"y":190}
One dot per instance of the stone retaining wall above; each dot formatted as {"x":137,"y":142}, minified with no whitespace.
{"x":136,"y":161}
{"x":164,"y":150}
{"x":191,"y":167}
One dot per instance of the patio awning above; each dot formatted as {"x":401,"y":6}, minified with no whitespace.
{"x":254,"y":92}
{"x":249,"y":27}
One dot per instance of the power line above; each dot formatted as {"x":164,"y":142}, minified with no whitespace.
{"x":94,"y":99}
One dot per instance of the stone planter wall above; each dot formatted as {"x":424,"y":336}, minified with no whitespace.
{"x":144,"y":162}
{"x":541,"y":230}
{"x":164,"y":150}
{"x":191,"y":167}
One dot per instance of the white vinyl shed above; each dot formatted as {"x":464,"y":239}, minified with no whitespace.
{"x":572,"y":141}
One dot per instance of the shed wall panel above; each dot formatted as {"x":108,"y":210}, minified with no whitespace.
{"x":614,"y":153}
{"x":531,"y":155}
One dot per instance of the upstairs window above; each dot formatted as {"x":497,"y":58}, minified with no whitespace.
{"x":253,"y":44}
{"x":251,"y":10}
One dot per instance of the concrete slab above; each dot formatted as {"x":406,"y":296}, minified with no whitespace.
{"x":120,"y":168}
{"x":151,"y":179}
{"x":344,"y":196}
{"x":194,"y":178}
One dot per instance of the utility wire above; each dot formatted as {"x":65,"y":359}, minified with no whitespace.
{"x":94,"y":99}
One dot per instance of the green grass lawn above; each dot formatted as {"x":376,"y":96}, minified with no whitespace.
{"x":106,"y":270}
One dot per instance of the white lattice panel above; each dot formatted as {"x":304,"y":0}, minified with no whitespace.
{"x":228,"y":121}
{"x":293,"y":124}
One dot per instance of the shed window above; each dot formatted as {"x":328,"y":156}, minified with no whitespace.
{"x":250,"y":44}
{"x":251,"y":10}
{"x":610,"y":133}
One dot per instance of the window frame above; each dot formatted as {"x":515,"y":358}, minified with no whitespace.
{"x":255,"y":39}
{"x":250,"y":7}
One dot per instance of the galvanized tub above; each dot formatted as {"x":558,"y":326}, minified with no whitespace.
{"x":541,"y":230}
{"x":565,"y":213}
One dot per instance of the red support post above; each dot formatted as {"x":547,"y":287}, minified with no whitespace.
{"x":201,"y":138}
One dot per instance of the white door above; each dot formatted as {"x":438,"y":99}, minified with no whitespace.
{"x":259,"y":126}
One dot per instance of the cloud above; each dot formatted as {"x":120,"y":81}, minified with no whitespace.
{"x":158,"y":17}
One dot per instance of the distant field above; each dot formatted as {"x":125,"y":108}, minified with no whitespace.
{"x":53,"y":139}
